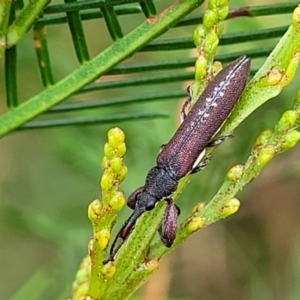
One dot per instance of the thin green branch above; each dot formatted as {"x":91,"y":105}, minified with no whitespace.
{"x":269,"y":82}
{"x":185,"y":62}
{"x":87,"y":4}
{"x":133,"y":254}
{"x":153,"y":79}
{"x":112,"y":22}
{"x":249,"y":11}
{"x":41,"y":48}
{"x":11,"y":83}
{"x":5,"y":7}
{"x":148,"y":8}
{"x":96,"y":67}
{"x":104,"y":213}
{"x":226,"y":39}
{"x":5,"y":12}
{"x":223,"y":204}
{"x":11,"y":77}
{"x":170,"y":64}
{"x":277,"y":72}
{"x":78,"y":37}
{"x":25,"y":19}
{"x":107,"y":119}
{"x":268,"y":10}
{"x":61,"y":19}
{"x":173,"y":95}
{"x":263,"y":10}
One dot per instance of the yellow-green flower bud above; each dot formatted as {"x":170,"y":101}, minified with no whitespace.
{"x":288,"y":119}
{"x":122,"y":174}
{"x":217,"y":67}
{"x":115,"y":137}
{"x":290,"y":140}
{"x":105,"y":163}
{"x":198,"y":207}
{"x":230,"y":207}
{"x":82,"y":275}
{"x":210,"y":18}
{"x":194,"y":224}
{"x":94,"y":209}
{"x":235,"y":173}
{"x":121,"y":150}
{"x":116,"y":164}
{"x":200,"y":68}
{"x":91,"y":246}
{"x":199,"y":35}
{"x":152,"y":265}
{"x":213,"y":4}
{"x":109,"y":152}
{"x":265,"y":155}
{"x":223,"y":12}
{"x":107,"y":180}
{"x":102,"y":238}
{"x":211,"y":43}
{"x":117,"y":201}
{"x":290,"y":70}
{"x":81,"y":291}
{"x":219,"y":28}
{"x":264,"y":138}
{"x":109,"y":269}
{"x":296,"y":16}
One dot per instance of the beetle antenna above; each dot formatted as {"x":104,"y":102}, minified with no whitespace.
{"x":124,"y":233}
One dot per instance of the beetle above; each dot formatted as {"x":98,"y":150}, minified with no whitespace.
{"x":182,"y":154}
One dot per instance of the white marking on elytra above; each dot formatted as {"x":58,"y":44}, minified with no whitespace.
{"x":200,"y":112}
{"x":208,"y":99}
{"x":217,"y":94}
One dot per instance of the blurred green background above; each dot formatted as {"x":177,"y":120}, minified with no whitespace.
{"x":48,"y":178}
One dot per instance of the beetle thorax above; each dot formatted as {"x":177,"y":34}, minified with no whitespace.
{"x":159,"y":183}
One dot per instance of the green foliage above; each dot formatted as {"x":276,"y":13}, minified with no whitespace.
{"x":56,"y":215}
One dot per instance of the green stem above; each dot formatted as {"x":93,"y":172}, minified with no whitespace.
{"x":41,"y":48}
{"x":76,"y":28}
{"x":5,"y":7}
{"x":11,"y":77}
{"x":157,"y":96}
{"x":96,"y":67}
{"x":89,"y":15}
{"x":107,"y":119}
{"x":278,"y":70}
{"x":268,"y":83}
{"x":226,"y":39}
{"x":253,"y":11}
{"x":112,"y":22}
{"x":25,"y":20}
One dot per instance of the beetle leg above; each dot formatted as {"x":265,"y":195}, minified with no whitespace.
{"x":168,"y":228}
{"x":219,"y":140}
{"x":131,"y":201}
{"x":201,"y":165}
{"x":186,"y":104}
